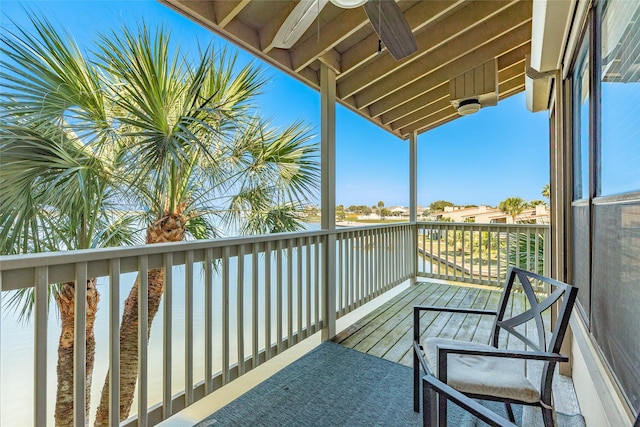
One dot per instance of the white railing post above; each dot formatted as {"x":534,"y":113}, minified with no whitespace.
{"x":328,"y":196}
{"x":546,"y":251}
{"x":143,"y":340}
{"x":114,"y":342}
{"x":80,"y":346}
{"x":167,"y":404}
{"x":208,"y":321}
{"x":41,"y":304}
{"x":188,"y":328}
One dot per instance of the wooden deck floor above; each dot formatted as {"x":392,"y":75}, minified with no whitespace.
{"x":387,"y":331}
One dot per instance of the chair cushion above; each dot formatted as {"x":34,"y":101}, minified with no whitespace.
{"x":483,"y":375}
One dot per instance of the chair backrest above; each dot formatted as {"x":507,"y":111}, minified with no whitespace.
{"x":557,"y":290}
{"x":539,"y":342}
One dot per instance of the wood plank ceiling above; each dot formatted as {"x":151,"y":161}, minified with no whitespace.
{"x":453,"y":36}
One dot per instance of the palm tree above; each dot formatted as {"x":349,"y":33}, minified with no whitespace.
{"x":136,"y":127}
{"x":546,"y":191}
{"x":57,"y":191}
{"x":527,"y":253}
{"x":191,"y":130}
{"x":512,"y":206}
{"x":58,"y":198}
{"x":379,"y":210}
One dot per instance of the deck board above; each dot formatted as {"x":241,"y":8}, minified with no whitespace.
{"x":384,"y":316}
{"x":397,"y":336}
{"x":470,"y":322}
{"x":388,"y":331}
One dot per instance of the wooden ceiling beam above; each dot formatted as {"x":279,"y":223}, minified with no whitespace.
{"x":438,"y":111}
{"x":519,"y":36}
{"x":513,"y":56}
{"x":331,"y":34}
{"x":396,"y":110}
{"x":244,"y":36}
{"x":441,"y":91}
{"x":441,"y":114}
{"x":511,"y":72}
{"x":495,"y":31}
{"x":243,"y":33}
{"x":423,"y":100}
{"x":438,"y":123}
{"x":418,"y":16}
{"x":440,"y":104}
{"x":227,"y":10}
{"x":518,"y":86}
{"x":203,"y":12}
{"x":420,"y":114}
{"x":268,"y":32}
{"x":456,"y":25}
{"x":452,"y":117}
{"x":331,"y":58}
{"x":349,"y":103}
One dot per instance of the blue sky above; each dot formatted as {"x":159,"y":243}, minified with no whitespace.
{"x":497,"y":153}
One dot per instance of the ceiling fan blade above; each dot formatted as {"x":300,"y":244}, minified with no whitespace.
{"x":300,"y":18}
{"x":392,"y":28}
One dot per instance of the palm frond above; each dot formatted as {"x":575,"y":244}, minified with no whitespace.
{"x":201,"y":227}
{"x":21,"y":302}
{"x":44,"y":76}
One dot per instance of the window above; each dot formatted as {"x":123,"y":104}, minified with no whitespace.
{"x":580,"y":80}
{"x":620,"y":86}
{"x":580,"y":209}
{"x":615,"y":247}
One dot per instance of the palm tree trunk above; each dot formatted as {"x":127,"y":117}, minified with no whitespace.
{"x":64,"y":395}
{"x":167,"y":229}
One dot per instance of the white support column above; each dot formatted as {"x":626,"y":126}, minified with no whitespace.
{"x":413,"y":199}
{"x":328,"y":195}
{"x":328,"y":147}
{"x":413,"y":177}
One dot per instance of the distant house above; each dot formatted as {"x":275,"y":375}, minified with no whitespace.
{"x":484,"y":214}
{"x":399,"y":211}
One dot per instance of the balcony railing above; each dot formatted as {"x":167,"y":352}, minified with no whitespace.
{"x":481,"y":253}
{"x":238,"y":303}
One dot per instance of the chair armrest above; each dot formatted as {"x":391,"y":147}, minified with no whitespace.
{"x":418,"y":308}
{"x":431,"y":383}
{"x":443,"y":350}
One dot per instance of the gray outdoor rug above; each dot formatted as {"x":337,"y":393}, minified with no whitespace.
{"x":335,"y":386}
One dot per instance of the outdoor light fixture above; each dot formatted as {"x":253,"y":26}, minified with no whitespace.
{"x":468,"y":106}
{"x":348,"y":4}
{"x":475,"y":89}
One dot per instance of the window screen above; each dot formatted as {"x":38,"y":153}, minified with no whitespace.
{"x":615,"y":313}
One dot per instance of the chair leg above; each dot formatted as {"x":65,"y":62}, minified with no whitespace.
{"x":548,"y":418}
{"x":429,"y":406}
{"x":442,"y":411}
{"x":416,"y":382}
{"x":512,"y":418}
